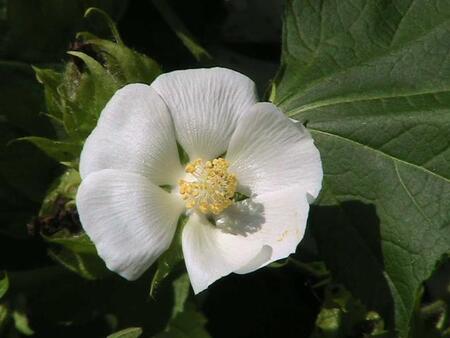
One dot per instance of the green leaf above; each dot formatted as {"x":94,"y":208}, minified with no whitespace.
{"x":87,"y":265}
{"x":132,"y":332}
{"x":77,"y":253}
{"x":372,"y":81}
{"x":170,"y":259}
{"x":60,"y":151}
{"x":4,"y":284}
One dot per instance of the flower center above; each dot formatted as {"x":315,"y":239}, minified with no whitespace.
{"x":208,"y":186}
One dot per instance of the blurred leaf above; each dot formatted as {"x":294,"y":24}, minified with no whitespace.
{"x":4,"y":284}
{"x":170,"y":259}
{"x":4,"y":316}
{"x":181,"y":289}
{"x":371,"y":79}
{"x":132,"y":332}
{"x":21,"y":323}
{"x":19,"y":316}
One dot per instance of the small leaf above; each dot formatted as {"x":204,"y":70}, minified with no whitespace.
{"x":19,"y":316}
{"x":181,"y":288}
{"x":4,"y":284}
{"x":132,"y":332}
{"x":109,"y":21}
{"x":182,"y":154}
{"x":4,"y":316}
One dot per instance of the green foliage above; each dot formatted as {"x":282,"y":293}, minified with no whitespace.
{"x":371,"y":80}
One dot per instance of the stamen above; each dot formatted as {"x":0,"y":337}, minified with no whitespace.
{"x":212,"y":187}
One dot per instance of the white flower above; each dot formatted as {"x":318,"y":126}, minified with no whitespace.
{"x":234,"y":144}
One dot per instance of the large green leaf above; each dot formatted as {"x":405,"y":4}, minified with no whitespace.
{"x":371,"y":79}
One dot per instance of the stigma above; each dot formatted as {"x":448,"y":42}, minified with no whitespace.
{"x":208,"y":186}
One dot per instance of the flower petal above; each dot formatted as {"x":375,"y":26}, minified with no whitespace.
{"x":248,"y":235}
{"x":211,"y":253}
{"x":205,"y":105}
{"x":130,"y":220}
{"x":276,"y":220}
{"x":268,"y":152}
{"x":134,"y":133}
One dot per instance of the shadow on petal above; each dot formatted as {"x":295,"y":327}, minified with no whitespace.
{"x":243,"y":218}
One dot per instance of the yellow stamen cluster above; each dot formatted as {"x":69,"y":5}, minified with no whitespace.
{"x":212,"y":187}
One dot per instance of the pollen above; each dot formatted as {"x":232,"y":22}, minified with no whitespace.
{"x":208,"y":186}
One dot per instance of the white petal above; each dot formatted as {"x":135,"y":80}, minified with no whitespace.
{"x":134,"y":133}
{"x":205,"y":105}
{"x":130,"y":220}
{"x":268,"y":152}
{"x":247,"y":236}
{"x":211,"y":253}
{"x":276,"y":220}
